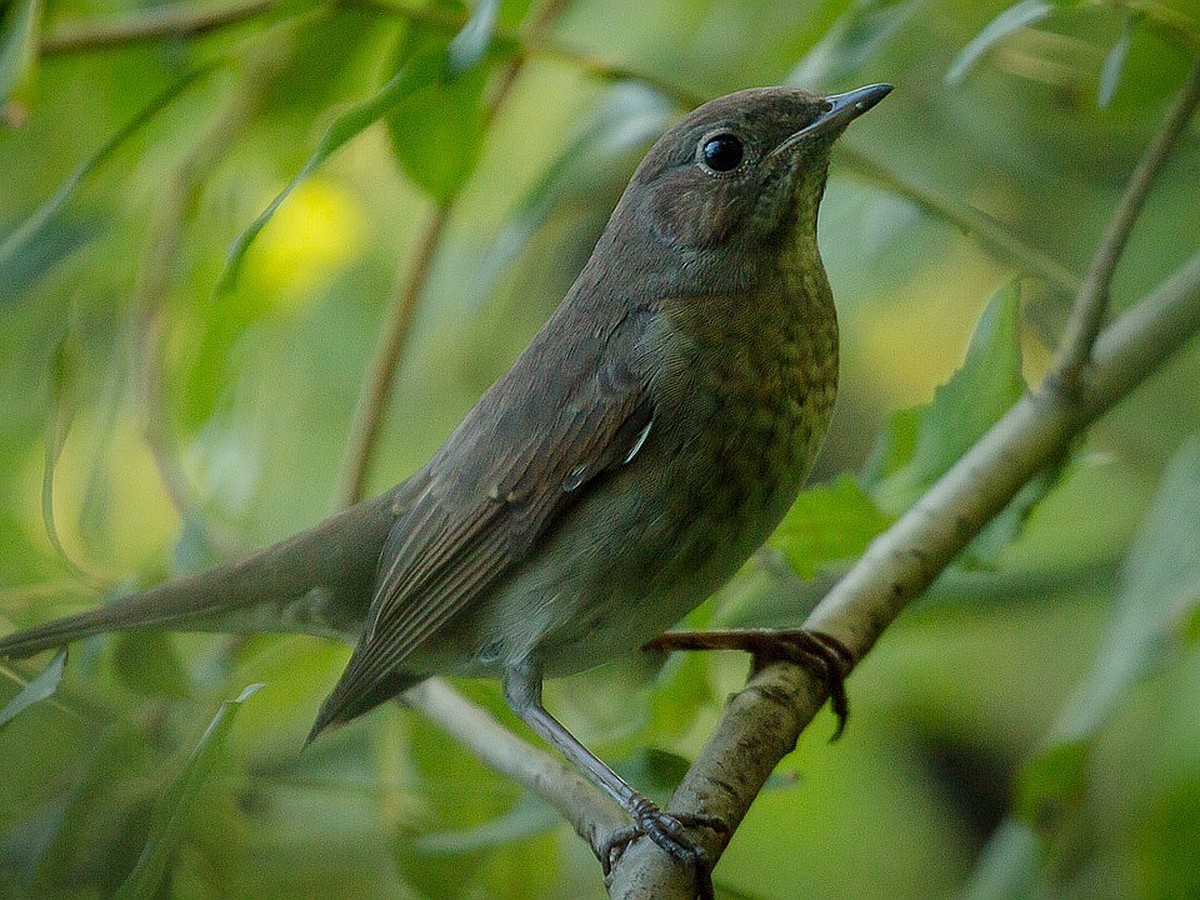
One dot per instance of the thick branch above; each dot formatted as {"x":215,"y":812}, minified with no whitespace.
{"x":903,"y":561}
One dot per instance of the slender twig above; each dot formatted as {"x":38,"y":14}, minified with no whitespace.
{"x":590,"y":813}
{"x":178,"y":20}
{"x":377,"y":391}
{"x":1092,"y":304}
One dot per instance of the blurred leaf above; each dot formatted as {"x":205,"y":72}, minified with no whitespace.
{"x":629,"y":116}
{"x":682,"y":689}
{"x":654,"y":772}
{"x":148,"y":663}
{"x":827,"y":523}
{"x":1166,"y":842}
{"x":181,"y":797}
{"x":41,"y":687}
{"x":1114,"y":63}
{"x":1053,"y":781}
{"x":16,"y":242}
{"x":436,"y":130}
{"x":67,"y":370}
{"x":424,"y":67}
{"x":20,"y":28}
{"x":963,"y":409}
{"x":854,"y":38}
{"x":895,"y":445}
{"x":1012,"y":19}
{"x":1160,"y":593}
{"x":469,"y":45}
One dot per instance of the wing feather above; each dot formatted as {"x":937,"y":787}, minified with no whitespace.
{"x":526,"y":452}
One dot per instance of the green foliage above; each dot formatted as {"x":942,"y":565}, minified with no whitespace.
{"x":830,"y":523}
{"x":181,"y":796}
{"x":130,"y":168}
{"x":38,"y":689}
{"x":919,"y":446}
{"x":20,"y":29}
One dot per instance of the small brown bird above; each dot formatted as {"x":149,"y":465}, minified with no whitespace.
{"x":641,"y":448}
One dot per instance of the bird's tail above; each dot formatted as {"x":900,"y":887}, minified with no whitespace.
{"x":318,"y":582}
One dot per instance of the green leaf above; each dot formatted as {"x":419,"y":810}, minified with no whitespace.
{"x":629,"y":117}
{"x":436,"y":130}
{"x":963,"y":409}
{"x":148,"y":662}
{"x":66,"y":377}
{"x":1012,"y":19}
{"x":31,"y":229}
{"x":181,"y":797}
{"x":41,"y":687}
{"x":828,"y":523}
{"x":1114,"y":63}
{"x":20,"y":28}
{"x":426,"y":66}
{"x":1053,"y":782}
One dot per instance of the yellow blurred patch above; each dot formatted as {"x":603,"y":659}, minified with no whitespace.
{"x":316,"y":231}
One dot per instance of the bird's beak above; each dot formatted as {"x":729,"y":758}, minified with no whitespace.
{"x":838,"y":111}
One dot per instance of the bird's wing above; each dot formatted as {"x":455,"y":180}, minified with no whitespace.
{"x":575,"y":405}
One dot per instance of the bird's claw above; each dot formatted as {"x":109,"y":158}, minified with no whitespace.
{"x":823,"y":655}
{"x":669,"y":833}
{"x":827,"y":658}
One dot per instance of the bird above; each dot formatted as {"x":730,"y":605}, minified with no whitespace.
{"x":640,"y":449}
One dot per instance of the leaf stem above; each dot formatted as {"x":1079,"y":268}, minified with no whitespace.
{"x":179,"y":20}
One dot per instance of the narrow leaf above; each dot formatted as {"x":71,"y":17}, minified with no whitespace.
{"x":181,"y":797}
{"x":66,"y":369}
{"x":858,"y":35}
{"x":20,"y":26}
{"x":469,"y":45}
{"x":18,"y":239}
{"x":41,"y":687}
{"x":1160,"y":594}
{"x":1114,"y":63}
{"x":1012,"y":19}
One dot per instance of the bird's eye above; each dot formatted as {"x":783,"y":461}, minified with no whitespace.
{"x":722,"y":152}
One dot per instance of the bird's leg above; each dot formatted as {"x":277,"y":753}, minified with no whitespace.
{"x":827,"y":658}
{"x":523,"y":693}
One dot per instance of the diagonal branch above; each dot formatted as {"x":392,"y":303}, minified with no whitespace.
{"x":1091,"y":306}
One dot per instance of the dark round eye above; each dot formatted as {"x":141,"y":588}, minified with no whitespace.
{"x":722,"y":153}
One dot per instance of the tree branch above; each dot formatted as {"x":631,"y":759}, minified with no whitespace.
{"x":1091,"y":306}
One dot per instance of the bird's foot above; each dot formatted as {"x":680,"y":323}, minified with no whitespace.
{"x":827,"y":658}
{"x":668,"y":832}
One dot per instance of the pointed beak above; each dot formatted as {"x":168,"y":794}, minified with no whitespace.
{"x":838,"y":111}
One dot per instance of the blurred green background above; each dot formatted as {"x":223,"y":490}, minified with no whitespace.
{"x":158,"y":414}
